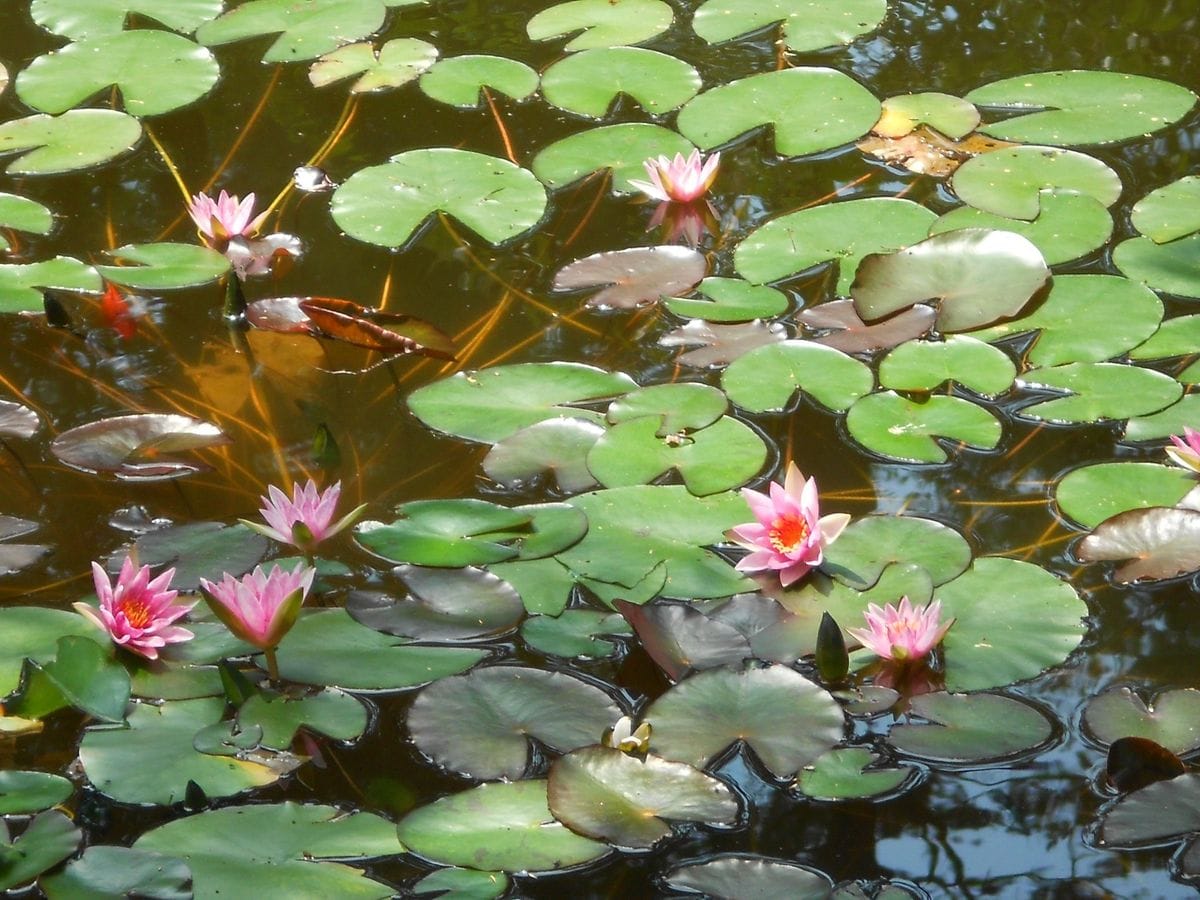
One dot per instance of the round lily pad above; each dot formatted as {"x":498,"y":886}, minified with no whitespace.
{"x":23,"y":793}
{"x":730,"y":300}
{"x":735,"y":877}
{"x":49,"y":839}
{"x":1169,"y":212}
{"x":460,"y":80}
{"x":766,"y":379}
{"x":463,"y":884}
{"x":681,"y":639}
{"x":302,"y":32}
{"x":393,"y":65}
{"x":20,"y":284}
{"x":33,"y":632}
{"x":1163,"y":811}
{"x":83,"y":675}
{"x":675,"y":407}
{"x":1010,"y":182}
{"x":1099,"y":391}
{"x":1177,"y":336}
{"x":1169,"y":720}
{"x":335,"y":714}
{"x":851,"y":773}
{"x":1171,"y":421}
{"x":78,"y":139}
{"x":1170,"y":268}
{"x":589,"y":82}
{"x":23,"y":214}
{"x":622,"y":148}
{"x":604,"y":23}
{"x":952,"y":116}
{"x":971,"y":729}
{"x":924,"y":365}
{"x":869,"y":545}
{"x":1091,"y":494}
{"x":903,"y":429}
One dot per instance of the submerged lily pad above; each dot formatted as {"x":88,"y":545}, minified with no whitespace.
{"x":716,"y":346}
{"x":17,"y":421}
{"x":1091,"y":494}
{"x":730,"y":300}
{"x":923,"y":365}
{"x":623,"y":148}
{"x":806,"y":25}
{"x":970,"y":729}
{"x":850,"y":773}
{"x":903,"y":429}
{"x":637,"y":276}
{"x":1170,"y":720}
{"x":135,"y":448}
{"x":1099,"y":391}
{"x":736,"y":877}
{"x":766,"y":379}
{"x":1159,"y":543}
{"x":1163,"y":811}
{"x":78,"y":139}
{"x":160,"y":267}
{"x":604,"y":23}
{"x":1169,"y":212}
{"x":681,"y":639}
{"x":1010,"y":182}
{"x":461,"y":80}
{"x":1170,"y":268}
{"x":78,"y":19}
{"x":393,"y":65}
{"x":589,"y":82}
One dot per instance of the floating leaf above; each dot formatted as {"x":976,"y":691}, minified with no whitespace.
{"x":556,"y":446}
{"x":1134,"y":762}
{"x":809,"y":109}
{"x":1163,"y":811}
{"x":83,"y":675}
{"x":33,"y":632}
{"x":1099,"y":391}
{"x":1178,"y":336}
{"x":19,"y":284}
{"x":925,"y":151}
{"x":1169,"y":212}
{"x":395,"y":64}
{"x":574,"y":633}
{"x":805,"y":25}
{"x":851,"y":773}
{"x":903,"y":429}
{"x":604,"y":23}
{"x":460,"y":80}
{"x":871,"y":544}
{"x":678,"y":407}
{"x":638,"y":276}
{"x":734,"y":877}
{"x":1011,"y":182}
{"x":49,"y":839}
{"x":23,"y":214}
{"x":766,"y":379}
{"x":1159,"y":542}
{"x":970,"y":729}
{"x":950,"y":115}
{"x":1091,"y":494}
{"x":155,"y":71}
{"x":135,"y":447}
{"x":24,"y":793}
{"x":463,"y":884}
{"x":843,"y":329}
{"x":1170,"y":720}
{"x":197,"y":550}
{"x":165,"y":266}
{"x":622,"y":148}
{"x":78,"y":139}
{"x":589,"y":82}
{"x":1167,"y":422}
{"x":18,"y":421}
{"x":730,"y":300}
{"x":78,"y":19}
{"x":105,"y":871}
{"x":924,"y":365}
{"x":719,"y":345}
{"x":365,"y":326}
{"x":333,"y":713}
{"x":1170,"y":268}
{"x":387,"y":204}
{"x":681,"y":639}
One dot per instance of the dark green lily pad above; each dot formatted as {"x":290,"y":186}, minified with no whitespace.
{"x":277,"y":851}
{"x":903,"y":429}
{"x":810,"y":110}
{"x":574,"y":633}
{"x":1169,"y":212}
{"x":393,"y":65}
{"x":1066,"y":108}
{"x":137,"y":447}
{"x":23,"y":214}
{"x":740,"y":877}
{"x":971,"y":729}
{"x":636,"y":276}
{"x":78,"y":19}
{"x":622,"y":148}
{"x":604,"y":23}
{"x":590,"y":82}
{"x":851,"y":773}
{"x":766,"y":379}
{"x":1170,"y":268}
{"x":610,"y":796}
{"x":677,"y":407}
{"x":1091,"y":494}
{"x":1159,"y":543}
{"x":335,"y":714}
{"x":327,"y":647}
{"x":545,"y":585}
{"x":49,"y":839}
{"x":553,"y":447}
{"x":950,"y":115}
{"x":805,"y":25}
{"x":871,"y":544}
{"x":83,"y":675}
{"x":388,"y":204}
{"x":155,"y":71}
{"x":460,"y":80}
{"x":169,"y":682}
{"x":33,"y":632}
{"x":23,"y":793}
{"x":493,"y":404}
{"x":198,"y":550}
{"x":19,"y":284}
{"x":160,"y":267}
{"x":785,"y":719}
{"x":463,"y":884}
{"x":1163,"y":811}
{"x":681,"y":639}
{"x":504,"y":826}
{"x":1011,"y":181}
{"x":1169,"y":720}
{"x":730,"y":300}
{"x":1178,"y":336}
{"x":1170,"y":421}
{"x":78,"y":139}
{"x":843,"y":232}
{"x":924,"y":365}
{"x":113,"y":872}
{"x":1098,"y":391}
{"x":481,"y":723}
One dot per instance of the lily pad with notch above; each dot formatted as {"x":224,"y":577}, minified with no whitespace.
{"x":1098,"y":391}
{"x":805,"y":25}
{"x":840,"y":327}
{"x":1176,"y":336}
{"x":681,"y":639}
{"x":393,"y":65}
{"x":1169,"y":719}
{"x":680,"y":406}
{"x":105,"y":871}
{"x":1163,"y":812}
{"x":591,"y":81}
{"x":853,"y":773}
{"x":46,"y":841}
{"x":637,"y":276}
{"x":730,"y":300}
{"x":78,"y":19}
{"x":164,"y":266}
{"x":555,"y":448}
{"x":19,"y":421}
{"x":1170,"y":268}
{"x":78,"y":139}
{"x":33,"y":632}
{"x":972,"y":729}
{"x":332,"y":713}
{"x":966,"y":361}
{"x":869,"y":545}
{"x":766,"y":379}
{"x":1091,"y":494}
{"x":621,"y":148}
{"x":21,"y":284}
{"x":23,"y":793}
{"x":716,"y":346}
{"x":82,"y":675}
{"x":461,"y":80}
{"x":136,"y":448}
{"x":574,"y":633}
{"x":603,"y":23}
{"x":1012,"y":182}
{"x":896,"y":427}
{"x":1170,"y":421}
{"x":197,"y":550}
{"x":463,"y":884}
{"x":23,"y":214}
{"x":952,"y":116}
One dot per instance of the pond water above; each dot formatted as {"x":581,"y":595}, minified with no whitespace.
{"x":1012,"y":804}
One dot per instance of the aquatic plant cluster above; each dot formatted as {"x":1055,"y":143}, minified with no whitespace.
{"x":637,"y":628}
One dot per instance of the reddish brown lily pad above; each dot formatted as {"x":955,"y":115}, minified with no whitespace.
{"x":843,"y":329}
{"x":1159,"y":542}
{"x":346,"y":321}
{"x":136,"y":448}
{"x":719,"y":345}
{"x":638,"y":276}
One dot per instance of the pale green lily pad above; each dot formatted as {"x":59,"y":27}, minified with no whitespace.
{"x":1170,"y":268}
{"x":895,"y":427}
{"x":1169,"y":720}
{"x":574,"y":633}
{"x":155,"y":71}
{"x":952,"y":116}
{"x":603,"y":23}
{"x":870,"y":545}
{"x":33,"y":632}
{"x":744,"y":877}
{"x":842,"y":232}
{"x":463,"y":884}
{"x":387,"y":205}
{"x":806,"y":24}
{"x":393,"y":65}
{"x":1099,"y":391}
{"x":277,"y":851}
{"x":23,"y":214}
{"x":78,"y":19}
{"x":1169,"y":212}
{"x":332,"y":713}
{"x":1066,"y":108}
{"x":810,"y":110}
{"x":923,"y":365}
{"x":24,"y":793}
{"x":766,"y":379}
{"x":327,"y":647}
{"x":622,"y":148}
{"x":112,"y":757}
{"x":785,"y":719}
{"x":1091,"y":494}
{"x":503,"y":826}
{"x":1011,"y":181}
{"x":969,"y":729}
{"x":851,"y":773}
{"x":676,"y":407}
{"x":1167,"y":810}
{"x":19,"y":284}
{"x":105,"y":872}
{"x":492,"y":404}
{"x":166,"y":266}
{"x":1087,"y":318}
{"x":555,"y":447}
{"x":78,"y":139}
{"x":730,"y":300}
{"x":1179,"y":336}
{"x":49,"y":839}
{"x":461,"y":80}
{"x":1170,"y":421}
{"x":610,"y":796}
{"x":480,"y":724}
{"x":590,"y":82}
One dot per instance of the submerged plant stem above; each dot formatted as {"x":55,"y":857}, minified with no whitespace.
{"x":244,"y":131}
{"x":508,"y":146}
{"x":170,"y":164}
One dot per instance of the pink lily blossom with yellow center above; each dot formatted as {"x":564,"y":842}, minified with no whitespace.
{"x":1186,"y":449}
{"x":790,"y":535}
{"x":306,"y":518}
{"x":226,"y":217}
{"x":137,"y":612}
{"x":679,"y":180}
{"x":903,"y":633}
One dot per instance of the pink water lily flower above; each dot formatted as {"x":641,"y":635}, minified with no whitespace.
{"x":304,"y":520}
{"x":905,"y":633}
{"x":227,"y":216}
{"x":679,"y":180}
{"x":1186,"y":449}
{"x":137,"y":612}
{"x":790,"y":535}
{"x":261,"y":607}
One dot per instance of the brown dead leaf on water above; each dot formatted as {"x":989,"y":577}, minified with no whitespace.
{"x":926,"y":151}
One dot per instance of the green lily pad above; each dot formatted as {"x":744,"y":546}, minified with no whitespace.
{"x":78,"y":139}
{"x":924,"y":365}
{"x":49,"y":839}
{"x":604,"y":23}
{"x":970,"y":729}
{"x":556,"y":447}
{"x":1169,"y":212}
{"x":574,"y":633}
{"x":545,"y":585}
{"x":1178,"y":336}
{"x":78,"y":19}
{"x":19,"y":284}
{"x":851,"y":773}
{"x":766,"y":379}
{"x":787,"y":720}
{"x":23,"y":793}
{"x":503,"y":826}
{"x":277,"y":851}
{"x":730,"y":300}
{"x":327,"y":647}
{"x":869,"y":545}
{"x":460,"y":80}
{"x":155,"y":71}
{"x":1172,"y":420}
{"x":463,"y":884}
{"x":387,"y":205}
{"x":590,"y":82}
{"x":1011,"y":181}
{"x":622,"y":148}
{"x":681,"y":639}
{"x":113,"y":872}
{"x":1066,"y":108}
{"x":1162,"y":812}
{"x":33,"y":632}
{"x":198,"y":550}
{"x":737,"y":877}
{"x":1098,"y":391}
{"x":1170,"y":720}
{"x":610,"y":796}
{"x":678,"y":407}
{"x":1118,"y":314}
{"x":842,"y":232}
{"x":1091,"y":494}
{"x":23,"y":214}
{"x":113,"y":757}
{"x":393,"y":65}
{"x":810,"y":110}
{"x":332,"y":713}
{"x":169,"y":682}
{"x":1158,"y":542}
{"x":895,"y":427}
{"x":493,"y":404}
{"x":952,"y":116}
{"x":806,"y":25}
{"x":1170,"y":268}
{"x":83,"y":675}
{"x":166,"y":266}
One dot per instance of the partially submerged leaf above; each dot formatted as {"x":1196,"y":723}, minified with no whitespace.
{"x":1158,"y":543}
{"x":374,"y":329}
{"x":805,"y":25}
{"x":138,"y":447}
{"x":952,"y":116}
{"x":1135,"y":762}
{"x":681,"y":639}
{"x":736,"y":877}
{"x":635,"y":277}
{"x":926,"y":152}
